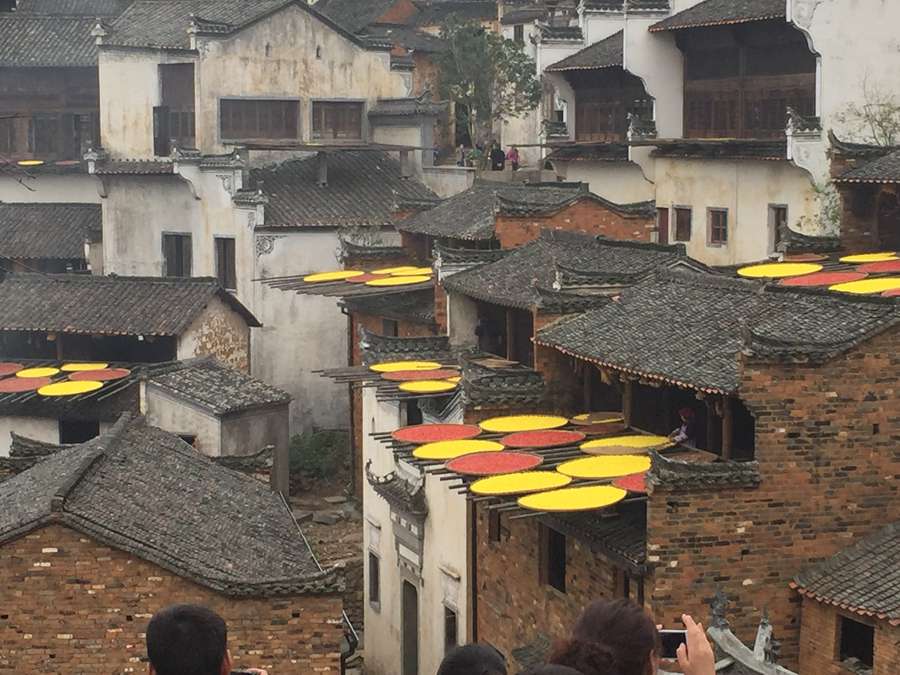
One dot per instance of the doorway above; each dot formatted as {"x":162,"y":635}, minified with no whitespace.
{"x":409,"y":628}
{"x":889,"y":221}
{"x":662,"y":226}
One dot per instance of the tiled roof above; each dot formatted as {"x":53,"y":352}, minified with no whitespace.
{"x":674,"y":474}
{"x":562,"y":33}
{"x":471,"y":213}
{"x":618,"y":5}
{"x":408,"y":106}
{"x":592,"y":152}
{"x":404,"y":36}
{"x":47,"y":230}
{"x":354,"y":15}
{"x":165,"y":23}
{"x":88,"y":8}
{"x":135,"y":167}
{"x":415,"y":306}
{"x":218,"y":388}
{"x":435,"y":13}
{"x":364,"y":188}
{"x":705,"y":148}
{"x":622,"y":536}
{"x":689,"y":329}
{"x":864,"y":578}
{"x":514,"y":280}
{"x":524,"y":15}
{"x":29,"y":40}
{"x":723,"y":12}
{"x":146,"y":492}
{"x":883,"y":170}
{"x":606,"y":53}
{"x":83,"y":303}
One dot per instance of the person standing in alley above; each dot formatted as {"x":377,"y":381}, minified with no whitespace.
{"x":512,"y":156}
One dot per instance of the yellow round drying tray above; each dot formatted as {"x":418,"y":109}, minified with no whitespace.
{"x":81,"y":367}
{"x":427,"y":386}
{"x":30,"y":162}
{"x":69,"y":388}
{"x":337,"y":275}
{"x":573,"y":499}
{"x":632,"y":441}
{"x":597,"y":418}
{"x":519,"y":483}
{"x":455,"y":379}
{"x":446,"y":450}
{"x":399,"y":280}
{"x":606,"y":466}
{"x":38,"y":372}
{"x":506,"y":425}
{"x":413,"y":271}
{"x":869,"y":257}
{"x":397,"y":366}
{"x":778,"y":270}
{"x":865,"y":286}
{"x":403,"y":269}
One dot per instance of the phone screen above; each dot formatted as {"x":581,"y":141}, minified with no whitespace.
{"x":671,"y":640}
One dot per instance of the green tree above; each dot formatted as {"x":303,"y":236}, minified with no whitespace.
{"x":492,"y":77}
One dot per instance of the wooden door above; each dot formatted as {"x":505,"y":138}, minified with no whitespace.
{"x":662,"y":226}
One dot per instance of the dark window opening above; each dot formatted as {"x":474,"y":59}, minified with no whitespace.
{"x":451,"y":629}
{"x":597,"y":394}
{"x":188,"y":438}
{"x":409,"y":629}
{"x":857,"y":642}
{"x":176,"y":255}
{"x":683,"y":218}
{"x":225,"y":265}
{"x":413,"y":412}
{"x":778,"y":216}
{"x":78,"y":431}
{"x":519,"y":34}
{"x":390,"y":328}
{"x":337,"y":120}
{"x":249,"y":119}
{"x":718,"y":227}
{"x":553,"y":558}
{"x":374,"y":578}
{"x":173,"y":119}
{"x":603,"y":102}
{"x":744,"y":432}
{"x":494,"y":526}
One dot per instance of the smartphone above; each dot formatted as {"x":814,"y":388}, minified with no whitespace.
{"x":671,"y":640}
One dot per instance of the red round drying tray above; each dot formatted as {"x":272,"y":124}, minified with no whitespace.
{"x":823,"y":278}
{"x":7,"y":368}
{"x":551,"y":438}
{"x":416,"y":375}
{"x":494,"y":463}
{"x":363,"y":278}
{"x":103,"y":375}
{"x":18,"y":385}
{"x":636,"y":482}
{"x":891,"y":266}
{"x":430,"y":433}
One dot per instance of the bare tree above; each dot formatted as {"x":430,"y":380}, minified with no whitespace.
{"x":876,"y":119}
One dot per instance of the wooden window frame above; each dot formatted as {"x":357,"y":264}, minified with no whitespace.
{"x":294,"y":136}
{"x":710,"y":211}
{"x":676,"y":235}
{"x":519,"y":33}
{"x":219,"y":275}
{"x":190,"y":257}
{"x":374,"y":585}
{"x":314,"y":105}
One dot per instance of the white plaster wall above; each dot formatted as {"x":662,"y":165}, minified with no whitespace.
{"x":462,"y":317}
{"x":598,"y":26}
{"x":218,"y":331}
{"x":178,"y":417}
{"x":74,"y":188}
{"x":37,"y":428}
{"x":745,"y":188}
{"x":399,"y":134}
{"x":446,"y":181}
{"x":655,"y":59}
{"x":620,"y":182}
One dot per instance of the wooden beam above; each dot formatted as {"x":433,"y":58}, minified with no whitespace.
{"x":727,"y":427}
{"x":628,"y":401}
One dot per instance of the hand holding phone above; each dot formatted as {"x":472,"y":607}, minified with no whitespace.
{"x":695,"y":655}
{"x":670,"y":641}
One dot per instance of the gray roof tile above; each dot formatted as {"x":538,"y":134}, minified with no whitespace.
{"x":218,"y":388}
{"x":864,"y":578}
{"x":82,"y":303}
{"x":364,"y":188}
{"x":689,"y":329}
{"x":723,"y":12}
{"x":883,"y":170}
{"x":29,"y":40}
{"x":88,"y":8}
{"x":436,"y":12}
{"x":606,"y":53}
{"x":146,"y":492}
{"x":56,"y":231}
{"x":354,"y":15}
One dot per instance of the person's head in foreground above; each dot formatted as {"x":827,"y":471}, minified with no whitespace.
{"x":188,"y":640}
{"x":551,"y":669}
{"x":618,"y":637}
{"x":473,"y":660}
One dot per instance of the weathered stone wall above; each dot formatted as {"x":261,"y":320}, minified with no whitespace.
{"x":68,"y":604}
{"x":221,"y":332}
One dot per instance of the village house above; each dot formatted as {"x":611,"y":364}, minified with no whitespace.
{"x":50,"y":237}
{"x":204,"y":190}
{"x":91,"y":547}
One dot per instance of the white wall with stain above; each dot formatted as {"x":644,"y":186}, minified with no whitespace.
{"x":218,"y":331}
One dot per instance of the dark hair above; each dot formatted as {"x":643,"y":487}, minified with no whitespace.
{"x":473,"y":660}
{"x":610,"y":638}
{"x":186,"y":640}
{"x":550,"y":669}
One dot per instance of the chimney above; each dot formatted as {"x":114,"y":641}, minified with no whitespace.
{"x":323,"y":169}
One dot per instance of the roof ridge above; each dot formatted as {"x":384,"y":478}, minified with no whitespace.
{"x":825,"y":293}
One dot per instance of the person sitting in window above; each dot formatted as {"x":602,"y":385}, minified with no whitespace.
{"x":687,"y":432}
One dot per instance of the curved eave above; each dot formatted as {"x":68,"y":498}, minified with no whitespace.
{"x":861,"y":611}
{"x":707,"y":24}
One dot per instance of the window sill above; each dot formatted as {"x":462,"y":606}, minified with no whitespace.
{"x":710,"y":244}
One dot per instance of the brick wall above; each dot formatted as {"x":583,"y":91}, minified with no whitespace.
{"x":440,"y":308}
{"x":819,"y":642}
{"x":826,"y":441}
{"x":586,"y":215}
{"x":514,"y":607}
{"x":557,"y":369}
{"x":859,"y":217}
{"x":71,"y":605}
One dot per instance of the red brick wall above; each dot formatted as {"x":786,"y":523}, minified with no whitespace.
{"x":71,"y":605}
{"x":828,"y":478}
{"x":440,"y":308}
{"x":585,"y":216}
{"x":513,"y":605}
{"x":417,"y":245}
{"x":398,"y":13}
{"x":819,"y":646}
